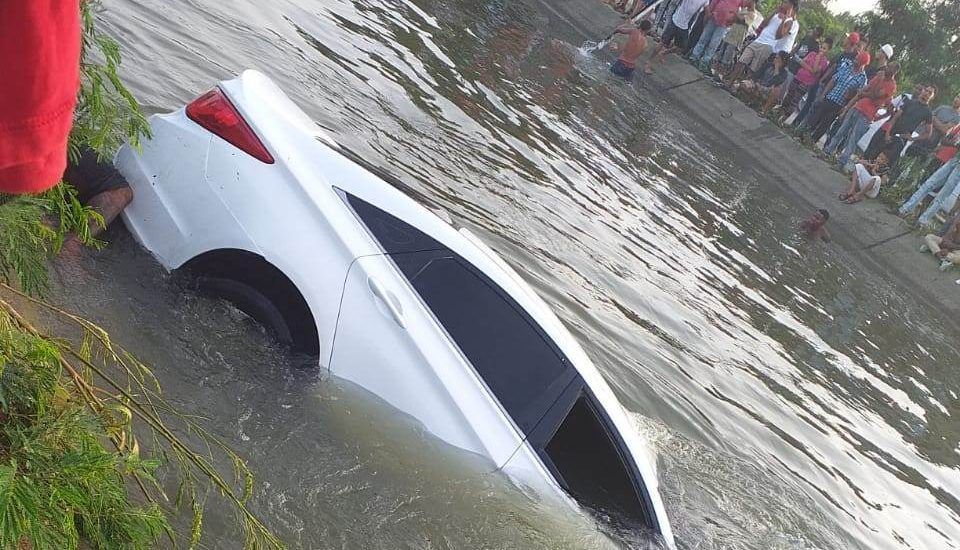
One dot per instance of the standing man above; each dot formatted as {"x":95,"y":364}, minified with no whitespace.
{"x":779,"y":26}
{"x":745,"y":22}
{"x":945,"y":119}
{"x":883,"y":58}
{"x":848,"y":79}
{"x":675,"y":35}
{"x":899,"y":130}
{"x":806,"y":73}
{"x":946,"y":179}
{"x":866,"y":103}
{"x":721,"y":14}
{"x":626,"y":64}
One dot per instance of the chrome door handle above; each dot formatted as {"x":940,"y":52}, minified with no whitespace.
{"x":388,"y":300}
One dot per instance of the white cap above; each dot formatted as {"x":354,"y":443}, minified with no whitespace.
{"x":887,"y":50}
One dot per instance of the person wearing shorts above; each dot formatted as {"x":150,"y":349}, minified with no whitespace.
{"x":636,"y":44}
{"x":675,"y":35}
{"x":777,"y":31}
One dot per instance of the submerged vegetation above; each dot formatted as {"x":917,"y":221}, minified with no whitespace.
{"x":74,"y":406}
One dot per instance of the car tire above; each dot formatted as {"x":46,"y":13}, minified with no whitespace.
{"x":250,"y":301}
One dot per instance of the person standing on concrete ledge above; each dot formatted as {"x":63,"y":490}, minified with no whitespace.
{"x":636,"y":44}
{"x":947,"y":180}
{"x":676,"y":33}
{"x":947,"y":247}
{"x":865,"y":105}
{"x":847,"y":80}
{"x":721,"y":14}
{"x":775,"y":35}
{"x":746,"y":20}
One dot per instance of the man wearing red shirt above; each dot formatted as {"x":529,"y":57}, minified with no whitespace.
{"x":721,"y":14}
{"x":40,"y":57}
{"x":877,"y":93}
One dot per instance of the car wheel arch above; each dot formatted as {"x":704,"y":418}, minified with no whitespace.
{"x":258,"y":288}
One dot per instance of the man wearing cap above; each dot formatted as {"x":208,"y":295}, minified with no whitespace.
{"x":860,"y":112}
{"x":847,"y":56}
{"x":847,"y":80}
{"x":883,"y":57}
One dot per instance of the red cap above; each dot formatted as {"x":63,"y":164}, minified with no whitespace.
{"x":854,"y":37}
{"x":863,"y":59}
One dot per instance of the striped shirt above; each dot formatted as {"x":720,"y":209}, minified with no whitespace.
{"x":845,"y":79}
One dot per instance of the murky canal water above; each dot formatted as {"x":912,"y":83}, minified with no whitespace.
{"x":795,"y":401}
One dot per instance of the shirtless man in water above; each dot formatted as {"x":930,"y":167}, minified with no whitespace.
{"x":636,"y":44}
{"x":815,"y":227}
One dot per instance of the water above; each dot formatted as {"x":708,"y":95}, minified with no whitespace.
{"x":795,"y":400}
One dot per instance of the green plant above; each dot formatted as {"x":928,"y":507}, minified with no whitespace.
{"x":72,"y":412}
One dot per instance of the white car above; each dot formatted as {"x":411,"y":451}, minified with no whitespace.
{"x":242,"y":190}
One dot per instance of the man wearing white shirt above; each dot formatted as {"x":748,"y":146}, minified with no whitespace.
{"x":677,"y":30}
{"x":777,"y":34}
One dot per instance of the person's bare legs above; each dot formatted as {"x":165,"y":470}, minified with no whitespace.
{"x":739,"y":69}
{"x":770,"y":101}
{"x":657,"y":57}
{"x":854,"y":183}
{"x":862,"y":193}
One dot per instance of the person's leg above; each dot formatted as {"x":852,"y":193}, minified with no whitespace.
{"x":946,"y":193}
{"x":718,"y":35}
{"x":858,"y":126}
{"x":828,"y":114}
{"x":877,"y":143}
{"x":845,"y":126}
{"x":772,"y":96}
{"x":932,"y":242}
{"x":953,"y":258}
{"x":932,"y":183}
{"x":705,"y":38}
{"x":854,"y":183}
{"x":811,"y":99}
{"x":666,"y":42}
{"x":746,"y":58}
{"x":867,"y":187}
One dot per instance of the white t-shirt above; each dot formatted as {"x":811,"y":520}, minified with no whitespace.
{"x":785,"y":44}
{"x":769,"y":34}
{"x":685,"y":12}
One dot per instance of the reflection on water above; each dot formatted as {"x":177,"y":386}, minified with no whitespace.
{"x":795,"y":400}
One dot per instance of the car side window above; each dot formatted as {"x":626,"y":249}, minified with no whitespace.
{"x":523,"y":369}
{"x":504,"y":345}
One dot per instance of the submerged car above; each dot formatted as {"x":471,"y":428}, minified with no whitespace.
{"x":243,"y":191}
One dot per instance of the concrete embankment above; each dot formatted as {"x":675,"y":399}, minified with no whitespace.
{"x":867,"y":232}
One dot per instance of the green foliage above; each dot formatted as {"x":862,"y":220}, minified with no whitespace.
{"x":58,"y":484}
{"x":69,"y":450}
{"x":28,"y":235}
{"x":924,"y":32}
{"x":107,"y":114}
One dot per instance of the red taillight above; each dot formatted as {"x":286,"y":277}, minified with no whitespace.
{"x":214,"y":112}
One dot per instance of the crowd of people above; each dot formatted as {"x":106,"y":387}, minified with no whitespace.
{"x":839,"y":99}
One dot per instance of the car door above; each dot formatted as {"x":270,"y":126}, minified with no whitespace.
{"x":386,"y":343}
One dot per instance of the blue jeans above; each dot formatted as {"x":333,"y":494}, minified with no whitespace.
{"x":854,"y":125}
{"x":946,"y":179}
{"x":709,"y":41}
{"x":811,"y":99}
